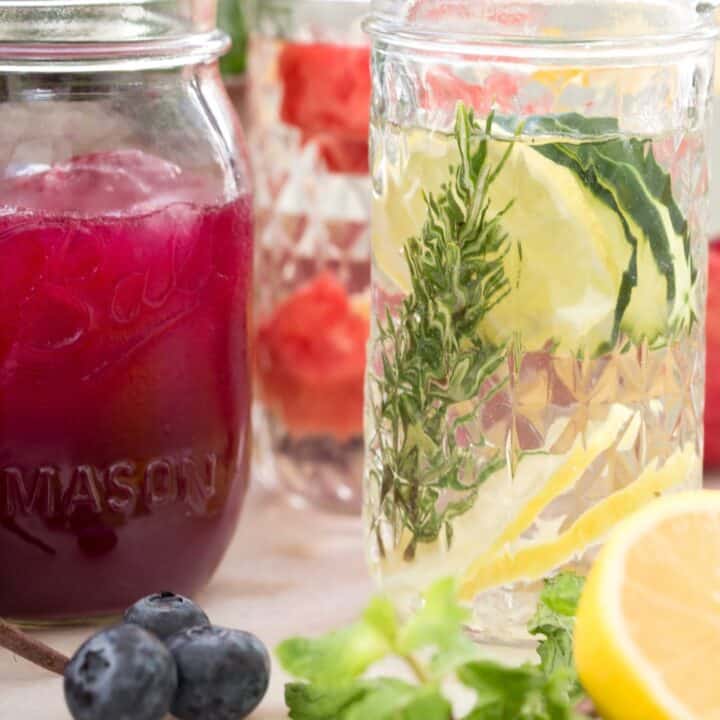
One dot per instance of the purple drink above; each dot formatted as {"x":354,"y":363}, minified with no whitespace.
{"x":124,"y":383}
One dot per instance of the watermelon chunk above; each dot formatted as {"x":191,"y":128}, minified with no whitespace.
{"x":712,"y":388}
{"x":310,"y":360}
{"x":326,"y":95}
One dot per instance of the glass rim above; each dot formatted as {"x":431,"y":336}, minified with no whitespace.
{"x":398,"y":32}
{"x":104,"y":34}
{"x":192,"y":49}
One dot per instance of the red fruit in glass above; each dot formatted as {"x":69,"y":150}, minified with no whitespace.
{"x":326,"y":94}
{"x":311,"y":361}
{"x":124,"y":390}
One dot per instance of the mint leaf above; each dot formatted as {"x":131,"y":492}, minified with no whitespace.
{"x":379,"y":699}
{"x":438,"y":623}
{"x":334,"y":664}
{"x":381,"y":615}
{"x":522,"y":693}
{"x":561,"y":593}
{"x":447,"y":660}
{"x":555,"y":619}
{"x":392,"y":699}
{"x":310,"y":702}
{"x":336,"y":658}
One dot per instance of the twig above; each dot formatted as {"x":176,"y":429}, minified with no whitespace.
{"x":19,"y":643}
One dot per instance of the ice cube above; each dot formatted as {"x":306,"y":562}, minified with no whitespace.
{"x":102,"y":183}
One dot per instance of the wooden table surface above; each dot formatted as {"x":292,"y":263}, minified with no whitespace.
{"x":287,"y":572}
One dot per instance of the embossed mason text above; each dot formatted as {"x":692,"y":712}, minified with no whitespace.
{"x":125,"y":487}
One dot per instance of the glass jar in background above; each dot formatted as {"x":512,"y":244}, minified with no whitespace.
{"x":310,"y":95}
{"x":539,"y":250}
{"x":125,"y":273}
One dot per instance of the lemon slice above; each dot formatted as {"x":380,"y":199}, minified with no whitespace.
{"x":569,"y":249}
{"x":536,"y":560}
{"x":648,"y":625}
{"x":568,"y":474}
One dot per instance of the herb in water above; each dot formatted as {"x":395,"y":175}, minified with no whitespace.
{"x":435,"y":365}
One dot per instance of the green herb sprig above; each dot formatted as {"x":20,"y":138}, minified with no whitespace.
{"x":435,"y":650}
{"x":433,"y":359}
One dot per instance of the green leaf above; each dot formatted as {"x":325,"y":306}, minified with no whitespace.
{"x":454,"y":655}
{"x":377,"y":699}
{"x":438,"y":622}
{"x":522,"y":693}
{"x":334,"y":664}
{"x":336,"y":658}
{"x":381,"y":615}
{"x":230,"y":18}
{"x":391,"y":699}
{"x":555,"y":619}
{"x":309,"y":702}
{"x":561,"y":594}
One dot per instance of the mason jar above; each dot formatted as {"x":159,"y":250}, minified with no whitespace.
{"x":309,"y":110}
{"x":539,"y":255}
{"x":125,"y":271}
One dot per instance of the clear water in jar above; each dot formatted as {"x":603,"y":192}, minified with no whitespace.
{"x":536,"y":358}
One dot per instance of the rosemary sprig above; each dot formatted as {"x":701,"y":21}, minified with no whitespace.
{"x":435,"y":366}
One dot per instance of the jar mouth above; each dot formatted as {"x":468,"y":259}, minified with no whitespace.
{"x":105,"y":34}
{"x":611,"y":30}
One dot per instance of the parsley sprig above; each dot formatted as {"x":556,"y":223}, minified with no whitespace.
{"x":435,"y":365}
{"x":436,"y":652}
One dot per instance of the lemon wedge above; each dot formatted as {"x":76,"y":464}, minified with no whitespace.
{"x":648,"y":624}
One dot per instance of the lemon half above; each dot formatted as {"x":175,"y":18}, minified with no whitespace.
{"x":648,"y":625}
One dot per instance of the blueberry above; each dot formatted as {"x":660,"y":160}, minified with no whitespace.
{"x":165,"y":613}
{"x":222,"y":674}
{"x":122,"y":673}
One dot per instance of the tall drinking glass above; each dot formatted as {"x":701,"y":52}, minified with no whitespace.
{"x":539,"y":259}
{"x":310,"y":99}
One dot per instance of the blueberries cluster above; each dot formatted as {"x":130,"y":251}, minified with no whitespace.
{"x":167,"y":657}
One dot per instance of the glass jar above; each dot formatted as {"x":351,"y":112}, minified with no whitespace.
{"x":539,"y":257}
{"x":310,"y":100}
{"x":125,"y":270}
